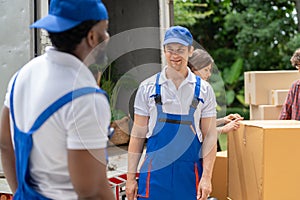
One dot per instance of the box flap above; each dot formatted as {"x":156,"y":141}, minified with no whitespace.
{"x":272,"y":124}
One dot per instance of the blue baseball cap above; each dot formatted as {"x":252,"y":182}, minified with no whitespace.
{"x":178,"y":34}
{"x":66,"y":14}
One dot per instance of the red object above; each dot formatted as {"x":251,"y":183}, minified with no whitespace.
{"x":5,"y":196}
{"x":118,"y":183}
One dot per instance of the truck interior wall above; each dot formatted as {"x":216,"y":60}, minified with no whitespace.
{"x":127,"y":16}
{"x":16,"y":46}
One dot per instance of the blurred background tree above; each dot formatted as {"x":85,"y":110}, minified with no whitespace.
{"x":242,"y":35}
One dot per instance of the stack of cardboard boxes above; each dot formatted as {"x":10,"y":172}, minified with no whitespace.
{"x":266,"y":91}
{"x":262,"y":153}
{"x":263,"y":160}
{"x":220,"y":176}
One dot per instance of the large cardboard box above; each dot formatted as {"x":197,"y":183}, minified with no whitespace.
{"x":220,"y":176}
{"x":258,"y":84}
{"x":277,"y":97}
{"x":263,"y":160}
{"x":265,"y":112}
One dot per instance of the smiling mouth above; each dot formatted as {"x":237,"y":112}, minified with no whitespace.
{"x":176,"y":61}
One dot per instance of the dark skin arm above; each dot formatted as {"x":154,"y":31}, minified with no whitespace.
{"x":7,"y":151}
{"x":88,"y":174}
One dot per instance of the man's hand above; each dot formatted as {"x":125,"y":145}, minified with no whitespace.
{"x":131,"y":189}
{"x":204,"y":189}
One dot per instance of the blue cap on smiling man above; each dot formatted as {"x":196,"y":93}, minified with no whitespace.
{"x":66,"y":14}
{"x":178,"y":34}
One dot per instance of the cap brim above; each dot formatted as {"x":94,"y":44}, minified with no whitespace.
{"x":176,"y":40}
{"x":55,"y":24}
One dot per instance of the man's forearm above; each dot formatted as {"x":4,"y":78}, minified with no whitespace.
{"x":9,"y":168}
{"x":7,"y":151}
{"x":208,"y":163}
{"x":209,"y":145}
{"x":135,"y":150}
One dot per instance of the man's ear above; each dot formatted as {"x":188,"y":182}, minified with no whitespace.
{"x":191,"y":50}
{"x":164,"y":47}
{"x":92,"y":38}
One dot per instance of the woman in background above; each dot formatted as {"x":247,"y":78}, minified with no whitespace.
{"x":201,"y":64}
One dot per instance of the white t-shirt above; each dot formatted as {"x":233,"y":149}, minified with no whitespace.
{"x":80,"y":124}
{"x":174,"y":101}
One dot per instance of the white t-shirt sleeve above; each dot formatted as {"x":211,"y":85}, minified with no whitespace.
{"x":209,"y":106}
{"x":88,"y":122}
{"x":141,"y":104}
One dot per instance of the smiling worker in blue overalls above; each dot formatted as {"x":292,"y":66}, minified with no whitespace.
{"x":176,"y":111}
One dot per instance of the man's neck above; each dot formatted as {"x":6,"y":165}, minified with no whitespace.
{"x":177,"y":77}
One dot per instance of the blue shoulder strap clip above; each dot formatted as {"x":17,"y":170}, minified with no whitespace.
{"x":197,"y":99}
{"x":157,"y":95}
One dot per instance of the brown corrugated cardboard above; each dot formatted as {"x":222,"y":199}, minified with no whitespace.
{"x":265,"y":112}
{"x":277,"y":97}
{"x":220,"y":177}
{"x":263,"y":160}
{"x":259,"y":83}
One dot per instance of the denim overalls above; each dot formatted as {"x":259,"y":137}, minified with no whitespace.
{"x":173,"y":166}
{"x":23,"y":142}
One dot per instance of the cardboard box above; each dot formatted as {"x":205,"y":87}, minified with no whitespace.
{"x":263,"y":160}
{"x":277,"y":97}
{"x":220,"y":176}
{"x":265,"y":112}
{"x":258,"y":84}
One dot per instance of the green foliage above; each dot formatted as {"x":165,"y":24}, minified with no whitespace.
{"x":108,"y":84}
{"x":232,"y":74}
{"x":186,"y":14}
{"x":126,"y":82}
{"x":261,"y":29}
{"x":246,"y":35}
{"x":243,"y":111}
{"x":117,"y":114}
{"x":288,"y":50}
{"x":106,"y":81}
{"x":234,"y":84}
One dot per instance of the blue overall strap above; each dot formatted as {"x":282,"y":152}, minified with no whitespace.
{"x":11,"y":99}
{"x":23,"y":142}
{"x":197,"y":93}
{"x":56,"y":105}
{"x":197,"y":87}
{"x":157,"y":86}
{"x":61,"y":102}
{"x":23,"y":146}
{"x":157,"y":95}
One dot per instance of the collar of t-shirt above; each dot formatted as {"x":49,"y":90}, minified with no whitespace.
{"x":191,"y":78}
{"x":62,"y":58}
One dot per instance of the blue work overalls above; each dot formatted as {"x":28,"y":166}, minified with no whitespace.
{"x":23,"y":142}
{"x":173,"y":166}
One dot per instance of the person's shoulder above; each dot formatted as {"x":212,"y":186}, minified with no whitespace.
{"x":149,"y":81}
{"x":205,"y":84}
{"x":295,"y":84}
{"x":147,"y":87}
{"x":36,"y":62}
{"x":194,"y":77}
{"x":26,"y":70}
